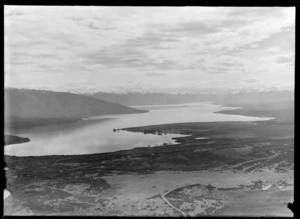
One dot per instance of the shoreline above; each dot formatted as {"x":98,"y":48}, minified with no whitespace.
{"x":132,"y":182}
{"x":13,"y":129}
{"x":280,"y":113}
{"x":242,"y":110}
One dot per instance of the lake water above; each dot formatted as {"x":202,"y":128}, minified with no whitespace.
{"x":95,"y":134}
{"x":6,"y":194}
{"x":201,"y":138}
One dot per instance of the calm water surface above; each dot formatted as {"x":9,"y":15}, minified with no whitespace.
{"x":95,"y":134}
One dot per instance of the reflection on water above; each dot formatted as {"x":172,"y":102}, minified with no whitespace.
{"x":97,"y":135}
{"x":6,"y":194}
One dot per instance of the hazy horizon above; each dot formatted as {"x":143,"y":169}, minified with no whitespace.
{"x":196,"y":92}
{"x":149,"y":49}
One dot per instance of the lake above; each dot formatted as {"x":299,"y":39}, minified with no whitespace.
{"x":96,"y":135}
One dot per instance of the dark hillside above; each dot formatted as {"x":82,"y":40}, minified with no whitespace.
{"x":37,"y":106}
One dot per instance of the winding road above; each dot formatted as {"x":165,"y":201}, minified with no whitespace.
{"x":181,"y":212}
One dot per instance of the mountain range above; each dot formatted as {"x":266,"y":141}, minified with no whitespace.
{"x":27,"y":108}
{"x":229,"y":98}
{"x":32,"y":107}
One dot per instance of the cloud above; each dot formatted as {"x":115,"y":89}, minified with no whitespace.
{"x":15,"y":13}
{"x":221,"y":65}
{"x":273,"y":49}
{"x":92,"y":26}
{"x":284,"y":40}
{"x":254,"y":46}
{"x":76,"y":19}
{"x":155,"y":74}
{"x":285,"y":59}
{"x":288,"y":27}
{"x":251,"y":80}
{"x":230,"y":23}
{"x":198,"y":28}
{"x":126,"y":57}
{"x":144,"y":43}
{"x":256,"y":12}
{"x":48,"y":67}
{"x":21,"y":63}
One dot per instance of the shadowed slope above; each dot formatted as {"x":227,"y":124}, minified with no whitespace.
{"x":39,"y":107}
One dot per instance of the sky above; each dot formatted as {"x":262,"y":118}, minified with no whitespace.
{"x":149,"y":49}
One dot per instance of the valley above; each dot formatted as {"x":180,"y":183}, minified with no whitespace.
{"x":241,"y":164}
